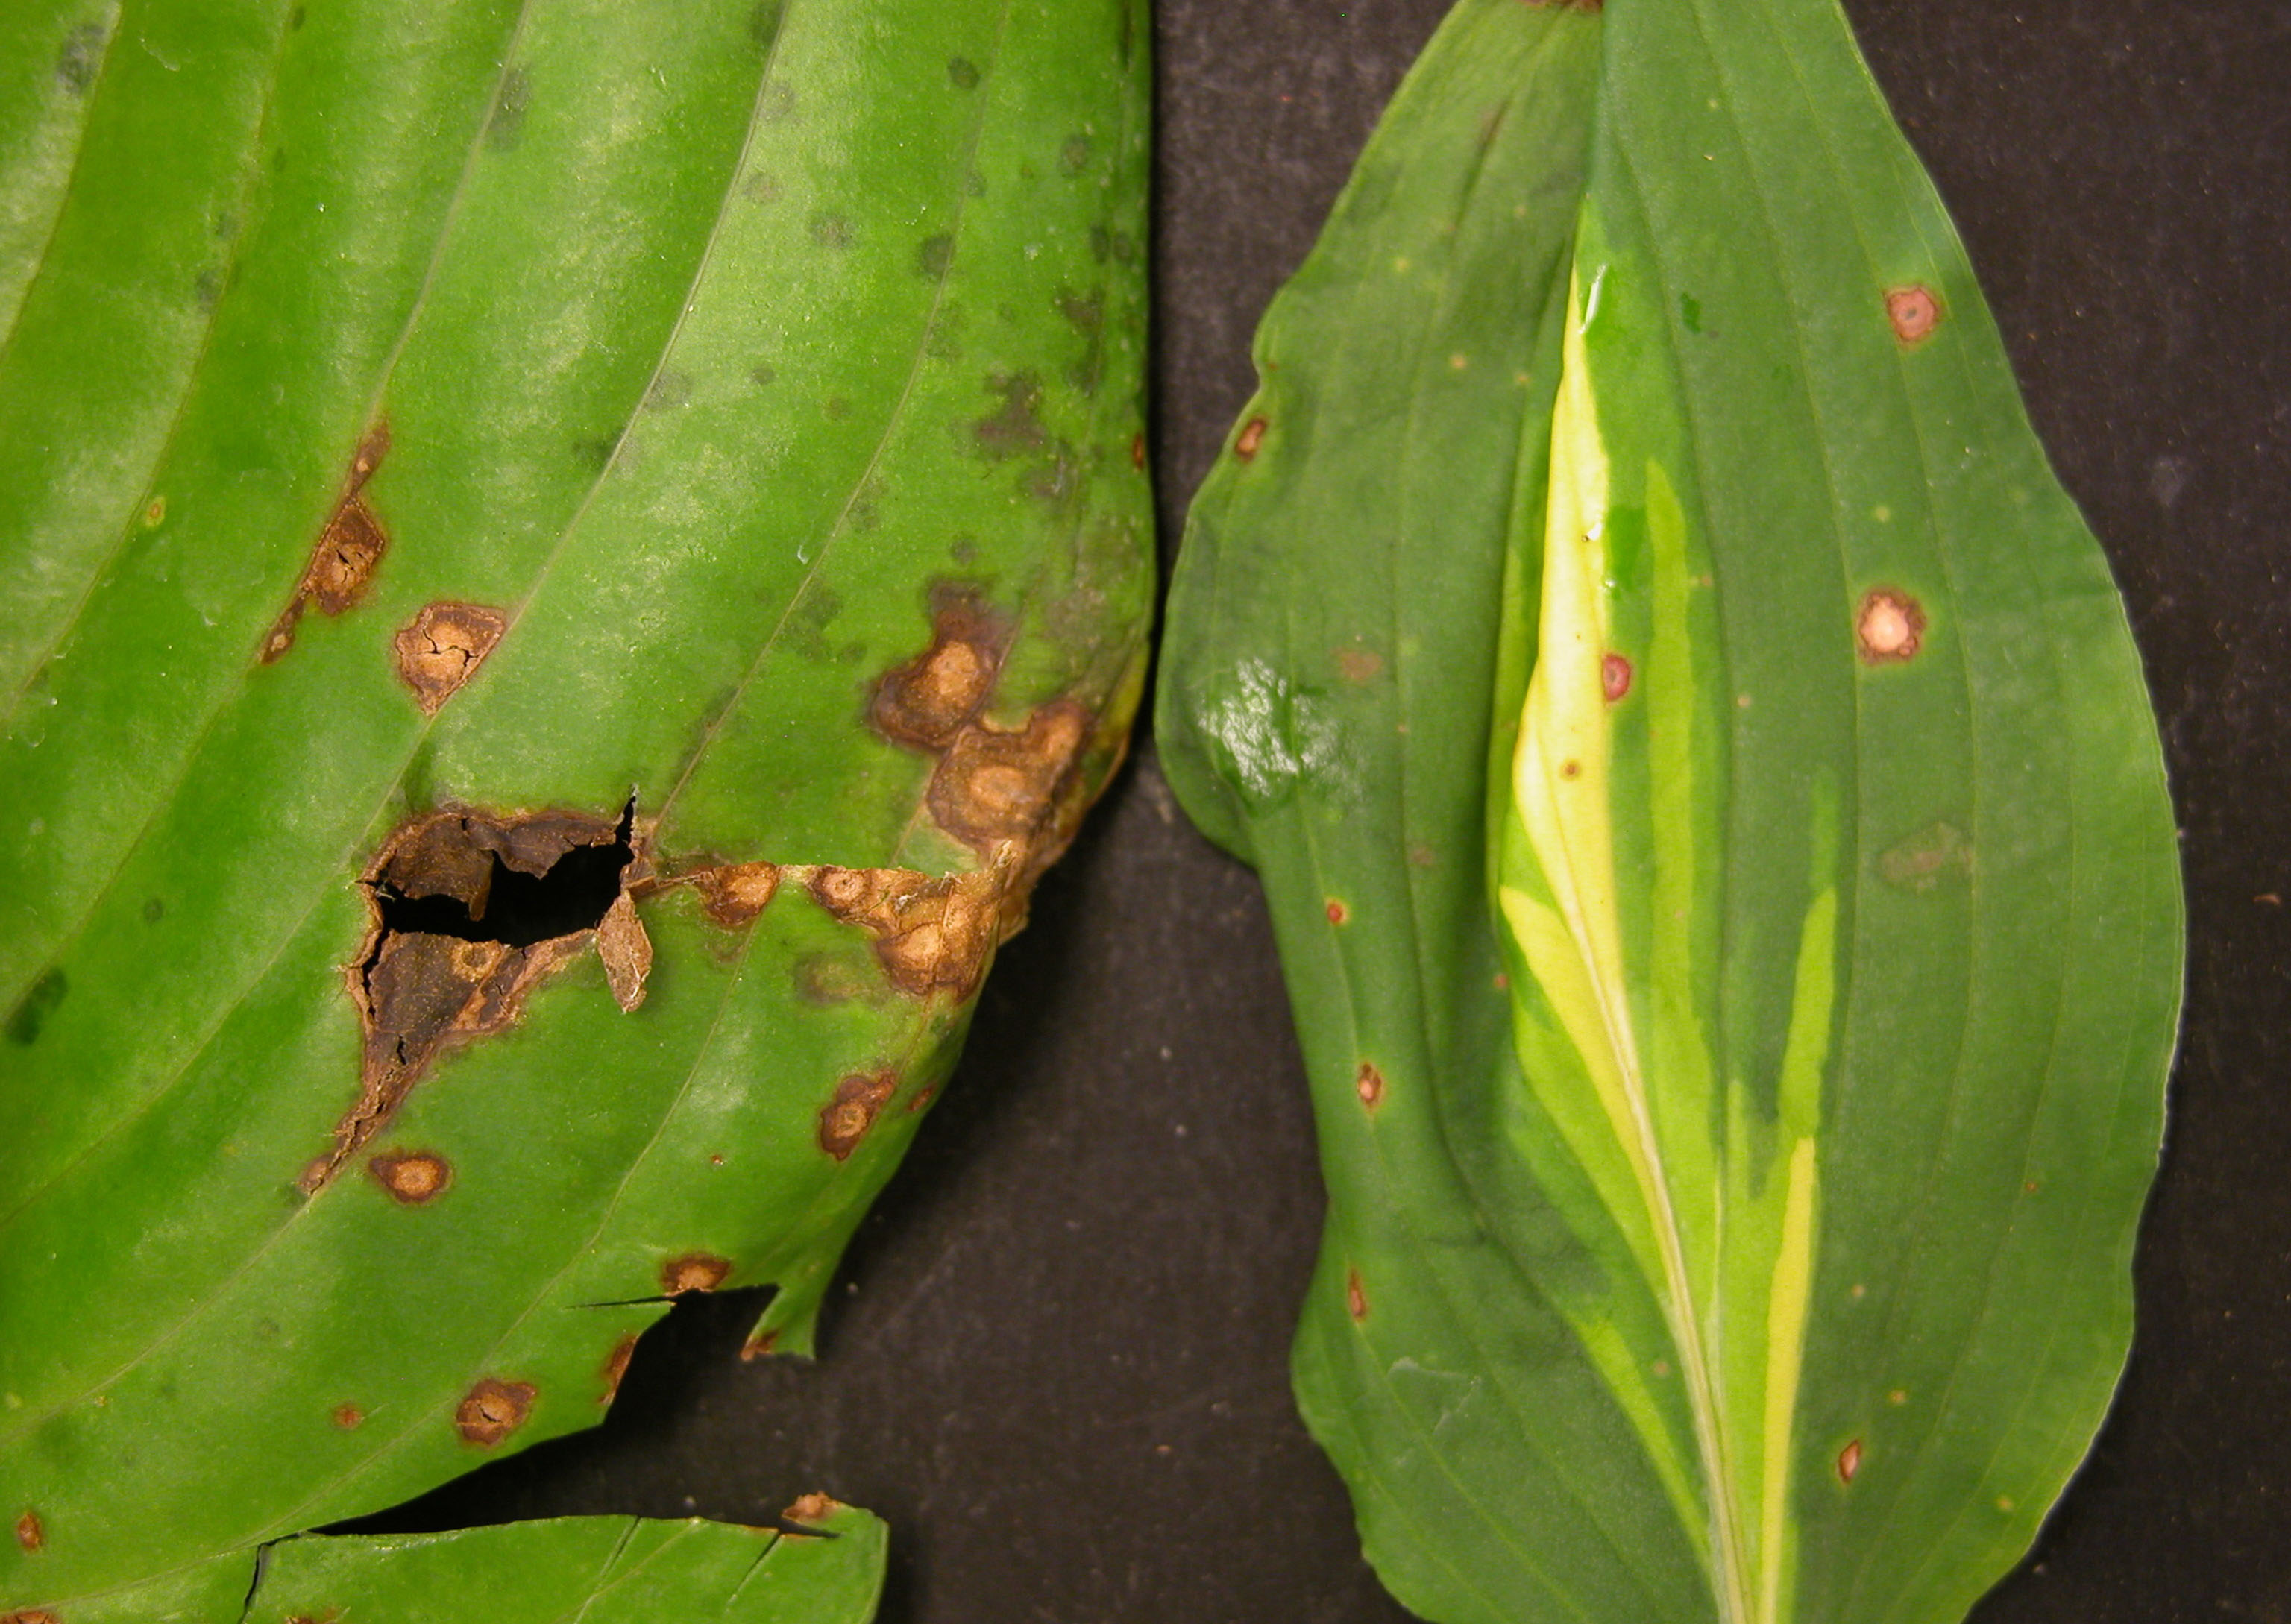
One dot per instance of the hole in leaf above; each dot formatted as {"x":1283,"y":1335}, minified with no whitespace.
{"x":512,"y":907}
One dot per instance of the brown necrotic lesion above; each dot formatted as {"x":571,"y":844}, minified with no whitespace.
{"x":441,"y":648}
{"x":468,"y":911}
{"x":345,"y":556}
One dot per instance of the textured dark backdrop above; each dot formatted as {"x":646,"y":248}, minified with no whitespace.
{"x":1057,"y":1363}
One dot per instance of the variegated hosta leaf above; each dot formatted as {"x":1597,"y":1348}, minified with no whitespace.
{"x":480,"y":482}
{"x":1780,"y":1268}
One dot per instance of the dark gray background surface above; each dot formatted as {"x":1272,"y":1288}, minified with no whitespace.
{"x":1056,"y":1362}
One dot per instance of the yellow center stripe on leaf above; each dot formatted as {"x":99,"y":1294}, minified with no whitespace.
{"x":1561,"y":788}
{"x":1786,"y":1310}
{"x":1559,"y":903}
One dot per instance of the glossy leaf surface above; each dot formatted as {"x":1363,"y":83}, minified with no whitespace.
{"x":1738,"y":1045}
{"x":711,"y":427}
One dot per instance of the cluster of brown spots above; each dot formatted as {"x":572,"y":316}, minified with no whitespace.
{"x":615,"y":1367}
{"x":734,"y":893}
{"x":441,"y":647}
{"x":1889,"y":627}
{"x":1251,"y":435}
{"x":925,"y":702}
{"x":342,"y":562}
{"x":349,"y":1418}
{"x":1914,"y":312}
{"x":845,"y":1119}
{"x":411,"y":1176}
{"x":1368,"y":1085}
{"x":424,"y":987}
{"x":1336,"y":912}
{"x":692,"y":1271}
{"x":930,"y":935}
{"x":493,"y":1409}
{"x":1849,"y":1461}
{"x":31,"y":1615}
{"x":1614,"y":677}
{"x":1356,"y":1297}
{"x":1014,"y":795}
{"x":29,"y":1533}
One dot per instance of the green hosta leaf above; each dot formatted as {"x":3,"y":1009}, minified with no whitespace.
{"x":830,"y":1572}
{"x":1737,"y":1101}
{"x":477,"y":483}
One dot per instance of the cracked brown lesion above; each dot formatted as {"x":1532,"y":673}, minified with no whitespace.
{"x":348,"y":551}
{"x":441,"y":647}
{"x":734,"y":894}
{"x":442,"y":966}
{"x":930,"y":935}
{"x":493,"y":1409}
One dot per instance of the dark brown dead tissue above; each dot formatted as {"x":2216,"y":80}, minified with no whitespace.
{"x":468,"y":911}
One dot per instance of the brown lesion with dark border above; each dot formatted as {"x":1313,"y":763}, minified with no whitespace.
{"x":692,"y":1271}
{"x":930,"y":935}
{"x":348,"y":551}
{"x":809,"y":1512}
{"x":616,"y":1368}
{"x":848,"y":1115}
{"x":441,"y":647}
{"x":733,"y":894}
{"x":1889,"y":627}
{"x":493,"y":1408}
{"x":1914,"y":311}
{"x":412,"y":1179}
{"x":927,"y":701}
{"x":1013,"y":792}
